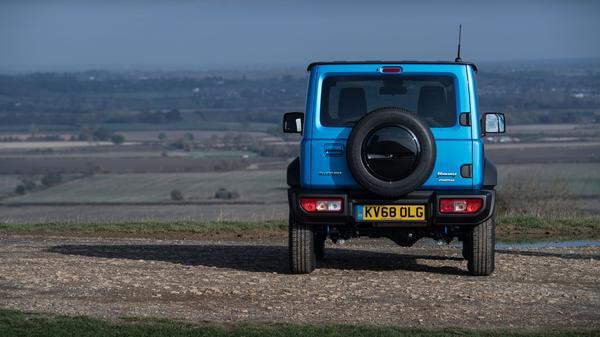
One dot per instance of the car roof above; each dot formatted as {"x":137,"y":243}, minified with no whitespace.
{"x":473,"y":65}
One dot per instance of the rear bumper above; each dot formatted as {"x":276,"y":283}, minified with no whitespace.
{"x":428,"y":198}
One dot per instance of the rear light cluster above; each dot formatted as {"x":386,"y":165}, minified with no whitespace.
{"x":461,"y":206}
{"x":318,"y":205}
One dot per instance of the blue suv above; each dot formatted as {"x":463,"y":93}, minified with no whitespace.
{"x":392,"y":149}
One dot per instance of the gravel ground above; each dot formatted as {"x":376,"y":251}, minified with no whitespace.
{"x":364,"y":282}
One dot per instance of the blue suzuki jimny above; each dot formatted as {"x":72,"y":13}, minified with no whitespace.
{"x":392,"y":149}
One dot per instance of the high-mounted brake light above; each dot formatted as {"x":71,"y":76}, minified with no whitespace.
{"x":325,"y":205}
{"x":461,"y":206}
{"x":390,"y":70}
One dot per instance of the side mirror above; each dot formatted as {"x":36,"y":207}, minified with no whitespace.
{"x":292,"y":122}
{"x":494,"y":122}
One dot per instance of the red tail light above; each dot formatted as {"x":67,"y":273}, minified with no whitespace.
{"x":390,"y":70}
{"x":461,"y":206}
{"x":322,"y":205}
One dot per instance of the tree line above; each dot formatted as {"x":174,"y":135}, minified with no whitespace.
{"x":77,"y":99}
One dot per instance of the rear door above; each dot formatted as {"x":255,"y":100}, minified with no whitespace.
{"x":324,"y":142}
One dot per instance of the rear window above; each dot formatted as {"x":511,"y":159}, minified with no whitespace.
{"x":345,"y":99}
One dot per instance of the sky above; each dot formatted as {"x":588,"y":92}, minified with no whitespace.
{"x":39,"y":35}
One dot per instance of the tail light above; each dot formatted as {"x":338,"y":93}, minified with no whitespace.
{"x":461,"y":206}
{"x":318,"y":205}
{"x":390,"y":70}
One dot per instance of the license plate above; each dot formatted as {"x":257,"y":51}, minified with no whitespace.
{"x":390,"y":213}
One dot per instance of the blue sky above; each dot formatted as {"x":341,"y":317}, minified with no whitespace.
{"x":176,"y":33}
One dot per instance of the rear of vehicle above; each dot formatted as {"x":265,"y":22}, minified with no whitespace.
{"x":391,"y":150}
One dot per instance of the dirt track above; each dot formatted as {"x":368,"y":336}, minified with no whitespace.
{"x":369,"y":282}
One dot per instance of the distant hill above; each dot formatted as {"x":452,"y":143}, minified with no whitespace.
{"x":529,"y":92}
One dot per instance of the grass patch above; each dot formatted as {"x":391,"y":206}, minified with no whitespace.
{"x":535,"y":228}
{"x":509,"y":228}
{"x":141,"y":228}
{"x":16,"y":324}
{"x":538,"y":222}
{"x":549,"y":192}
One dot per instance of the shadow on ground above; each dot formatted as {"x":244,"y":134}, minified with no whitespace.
{"x":259,"y":258}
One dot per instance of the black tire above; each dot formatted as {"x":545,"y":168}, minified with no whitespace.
{"x":391,"y":117}
{"x":320,"y":239}
{"x":481,"y":261}
{"x":302,"y":258}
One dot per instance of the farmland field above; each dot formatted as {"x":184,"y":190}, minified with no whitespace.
{"x":572,"y":180}
{"x":547,"y":190}
{"x":546,"y":171}
{"x":145,"y":136}
{"x":127,"y":153}
{"x":115,"y":164}
{"x":578,"y":180}
{"x":550,"y":189}
{"x":260,"y":186}
{"x":120,"y":213}
{"x":148,"y":160}
{"x":54,"y":145}
{"x":542,"y":153}
{"x":555,"y":129}
{"x":184,"y":125}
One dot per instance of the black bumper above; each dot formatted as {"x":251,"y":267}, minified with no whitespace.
{"x":428,"y":198}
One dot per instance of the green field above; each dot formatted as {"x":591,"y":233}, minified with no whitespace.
{"x":18,"y":324}
{"x":574,"y":179}
{"x":263,"y":186}
{"x":527,"y":189}
{"x":560,"y":199}
{"x":552,"y":191}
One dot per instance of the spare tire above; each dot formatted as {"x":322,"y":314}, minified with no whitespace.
{"x":391,"y":152}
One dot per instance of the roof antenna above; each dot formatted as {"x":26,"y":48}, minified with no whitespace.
{"x":458,"y":59}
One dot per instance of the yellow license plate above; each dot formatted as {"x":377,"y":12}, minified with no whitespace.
{"x":390,"y":213}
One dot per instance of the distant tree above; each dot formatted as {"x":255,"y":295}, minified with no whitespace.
{"x":52,"y":179}
{"x":188,"y":136}
{"x":223,"y":193}
{"x":117,"y":139}
{"x":176,"y":195}
{"x":162,"y":136}
{"x":28,"y":183}
{"x":102,"y":133}
{"x":21,"y":190}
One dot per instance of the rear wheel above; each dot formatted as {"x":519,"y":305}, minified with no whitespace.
{"x":301,"y":246}
{"x":482,"y":248}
